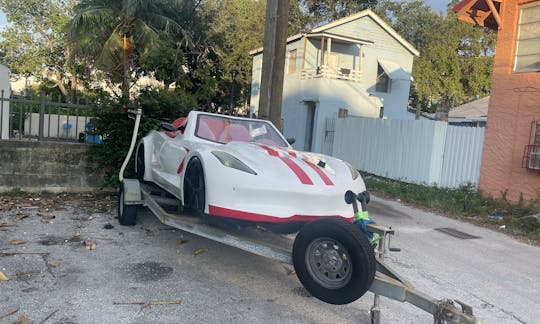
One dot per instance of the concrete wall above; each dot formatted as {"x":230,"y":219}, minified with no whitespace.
{"x":46,"y":166}
{"x":513,"y":106}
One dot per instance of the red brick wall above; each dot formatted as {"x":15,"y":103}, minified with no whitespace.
{"x":514,"y":104}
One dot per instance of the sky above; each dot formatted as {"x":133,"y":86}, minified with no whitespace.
{"x":438,"y":5}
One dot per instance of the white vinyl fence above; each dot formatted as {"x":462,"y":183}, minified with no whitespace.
{"x":414,"y":151}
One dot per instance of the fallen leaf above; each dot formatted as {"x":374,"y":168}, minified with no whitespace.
{"x":22,"y":320}
{"x":16,"y":242}
{"x":47,"y":218}
{"x":6,"y":225}
{"x":289,"y":272}
{"x":89,"y":245}
{"x":180,"y":242}
{"x":54,"y":263}
{"x":3,"y":276}
{"x":199,"y":251}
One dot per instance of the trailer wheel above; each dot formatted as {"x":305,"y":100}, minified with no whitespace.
{"x":334,"y":260}
{"x":194,"y":188}
{"x":140,"y":163}
{"x":127,"y":214}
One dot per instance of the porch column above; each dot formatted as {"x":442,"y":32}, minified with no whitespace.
{"x":322,"y":51}
{"x":328,"y":50}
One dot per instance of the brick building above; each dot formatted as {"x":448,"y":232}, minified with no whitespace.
{"x":511,"y":156}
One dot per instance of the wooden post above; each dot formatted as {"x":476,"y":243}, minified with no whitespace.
{"x":273,"y":67}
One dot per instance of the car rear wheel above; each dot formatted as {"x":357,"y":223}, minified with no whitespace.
{"x":140,"y":163}
{"x":127,"y":214}
{"x":194,"y":188}
{"x":334,"y":260}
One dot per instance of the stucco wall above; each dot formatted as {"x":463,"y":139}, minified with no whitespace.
{"x":513,"y":106}
{"x":46,"y":166}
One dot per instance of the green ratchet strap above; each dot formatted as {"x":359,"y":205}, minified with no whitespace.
{"x":361,"y":215}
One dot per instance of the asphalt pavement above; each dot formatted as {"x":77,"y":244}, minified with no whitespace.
{"x":69,"y":261}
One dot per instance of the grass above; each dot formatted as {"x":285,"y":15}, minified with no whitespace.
{"x":465,"y":203}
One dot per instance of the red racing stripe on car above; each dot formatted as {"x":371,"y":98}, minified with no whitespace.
{"x":254,"y":217}
{"x":302,"y":176}
{"x":270,"y":150}
{"x":181,"y":166}
{"x":320,"y":172}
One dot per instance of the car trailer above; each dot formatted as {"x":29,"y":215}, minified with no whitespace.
{"x":385,"y":282}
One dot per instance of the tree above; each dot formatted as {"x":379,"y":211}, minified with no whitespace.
{"x":455,"y":60}
{"x":237,"y":28}
{"x":325,"y":11}
{"x":113,"y":36}
{"x":35,"y":40}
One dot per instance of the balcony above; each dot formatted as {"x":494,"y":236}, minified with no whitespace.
{"x":329,"y":72}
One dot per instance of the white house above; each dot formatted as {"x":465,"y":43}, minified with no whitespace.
{"x":357,"y":65}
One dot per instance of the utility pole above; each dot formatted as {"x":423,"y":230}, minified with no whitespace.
{"x":275,"y":42}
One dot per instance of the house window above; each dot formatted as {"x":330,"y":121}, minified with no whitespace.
{"x":382,"y":84}
{"x":292,"y":62}
{"x":527,"y":57}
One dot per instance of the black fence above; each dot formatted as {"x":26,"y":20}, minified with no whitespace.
{"x":44,"y":119}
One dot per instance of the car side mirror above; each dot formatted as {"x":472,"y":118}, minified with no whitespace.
{"x":168,"y":127}
{"x":291,"y":140}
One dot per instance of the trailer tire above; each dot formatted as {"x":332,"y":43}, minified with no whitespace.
{"x":127,"y":214}
{"x":334,"y":260}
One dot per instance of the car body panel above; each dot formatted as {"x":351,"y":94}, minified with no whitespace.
{"x":278,"y":185}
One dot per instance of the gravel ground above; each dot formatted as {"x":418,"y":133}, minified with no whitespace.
{"x":69,"y":261}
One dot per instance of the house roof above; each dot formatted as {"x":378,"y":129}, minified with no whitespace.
{"x":480,"y":12}
{"x":476,"y":110}
{"x":394,"y":70}
{"x":359,"y":15}
{"x":471,"y":110}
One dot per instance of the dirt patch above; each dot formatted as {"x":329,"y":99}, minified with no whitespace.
{"x":149,"y":271}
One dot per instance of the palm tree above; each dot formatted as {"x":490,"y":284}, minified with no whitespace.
{"x":112,"y":35}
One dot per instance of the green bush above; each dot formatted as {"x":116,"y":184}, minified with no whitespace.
{"x":117,"y":128}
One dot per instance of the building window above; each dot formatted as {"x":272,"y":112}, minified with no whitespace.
{"x":531,"y":158}
{"x":527,"y":57}
{"x":382,"y":84}
{"x":292,"y":62}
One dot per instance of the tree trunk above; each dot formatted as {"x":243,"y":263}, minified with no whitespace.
{"x":60,"y":84}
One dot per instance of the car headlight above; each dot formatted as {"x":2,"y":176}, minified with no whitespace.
{"x":230,"y":161}
{"x":354,"y":172}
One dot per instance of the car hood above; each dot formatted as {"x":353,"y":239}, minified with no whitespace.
{"x":278,"y":163}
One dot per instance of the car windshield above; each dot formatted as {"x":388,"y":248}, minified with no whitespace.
{"x":223,"y":129}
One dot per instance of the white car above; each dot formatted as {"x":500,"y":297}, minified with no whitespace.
{"x":243,"y":171}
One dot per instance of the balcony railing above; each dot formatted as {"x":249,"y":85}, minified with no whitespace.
{"x":531,"y":157}
{"x":328,"y":72}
